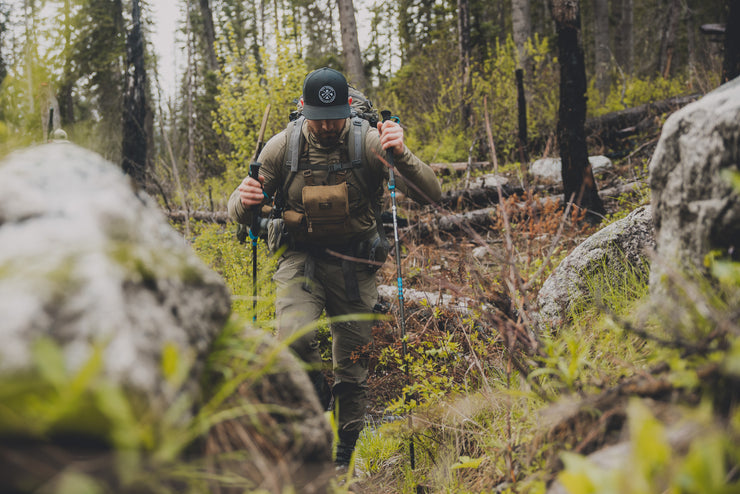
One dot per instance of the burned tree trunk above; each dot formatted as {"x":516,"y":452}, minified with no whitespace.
{"x":731,"y":65}
{"x":522,"y":114}
{"x":134,"y":149}
{"x":578,"y":177}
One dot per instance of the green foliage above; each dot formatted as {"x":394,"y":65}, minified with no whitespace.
{"x":429,"y":364}
{"x":430,"y":106}
{"x":653,"y":465}
{"x":496,"y":83}
{"x":695,"y":316}
{"x":614,"y":285}
{"x":377,"y":449}
{"x":634,"y":91}
{"x":53,"y":400}
{"x":627,"y":203}
{"x":568,"y":359}
{"x":242,"y":98}
{"x":218,"y":247}
{"x":18,"y":127}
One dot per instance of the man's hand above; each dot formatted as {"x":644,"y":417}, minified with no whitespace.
{"x":391,"y":136}
{"x":250,"y":191}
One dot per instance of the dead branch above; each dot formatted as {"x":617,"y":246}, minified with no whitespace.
{"x":477,"y":196}
{"x":458,"y":168}
{"x":179,"y":216}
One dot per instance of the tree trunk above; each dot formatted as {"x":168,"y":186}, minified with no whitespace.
{"x":731,"y":65}
{"x":66,"y":101}
{"x":668,"y":39}
{"x":691,"y":42}
{"x":602,"y":55}
{"x":578,"y":177}
{"x":351,"y":46}
{"x":522,"y":113}
{"x":190,"y":94}
{"x":3,"y":66}
{"x":134,"y":149}
{"x":521,"y":29}
{"x":463,"y":25}
{"x":623,"y":35}
{"x":209,"y":36}
{"x":30,"y":15}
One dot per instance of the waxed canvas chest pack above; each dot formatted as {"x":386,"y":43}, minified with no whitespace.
{"x":327,"y":210}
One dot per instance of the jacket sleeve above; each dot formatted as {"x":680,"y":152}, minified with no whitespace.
{"x":414,"y":178}
{"x":271,"y":159}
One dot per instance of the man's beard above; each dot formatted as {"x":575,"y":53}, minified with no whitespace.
{"x":328,"y":139}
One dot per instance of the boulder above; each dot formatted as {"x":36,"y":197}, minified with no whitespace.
{"x":695,"y":209}
{"x":88,"y":263}
{"x":489,"y":181}
{"x":624,"y":243}
{"x":107,"y":311}
{"x":551,"y":169}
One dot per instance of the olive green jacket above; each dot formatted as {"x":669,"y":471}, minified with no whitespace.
{"x":361,"y":194}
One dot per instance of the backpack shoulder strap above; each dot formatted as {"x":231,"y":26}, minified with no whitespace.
{"x":291,"y":155}
{"x":355,"y":144}
{"x":356,"y":141}
{"x":293,"y":148}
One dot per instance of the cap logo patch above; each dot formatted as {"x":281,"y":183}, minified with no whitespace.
{"x":327,"y":94}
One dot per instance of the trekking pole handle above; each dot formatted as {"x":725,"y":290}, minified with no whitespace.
{"x":254,"y":172}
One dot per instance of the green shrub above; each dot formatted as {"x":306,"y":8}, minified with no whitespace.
{"x":243,"y":95}
{"x":496,"y":83}
{"x":634,"y":92}
{"x":218,"y":247}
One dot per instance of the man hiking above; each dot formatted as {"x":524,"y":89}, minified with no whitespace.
{"x":325,"y":173}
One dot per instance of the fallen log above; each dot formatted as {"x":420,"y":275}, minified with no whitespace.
{"x":478,"y":219}
{"x":625,"y":122}
{"x":482,"y":219}
{"x":432,"y":299}
{"x":458,"y":168}
{"x":476,"y":197}
{"x":179,"y":216}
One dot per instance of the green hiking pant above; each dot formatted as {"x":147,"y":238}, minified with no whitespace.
{"x":300,"y":302}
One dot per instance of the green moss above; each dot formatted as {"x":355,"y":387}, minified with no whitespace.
{"x":147,"y":265}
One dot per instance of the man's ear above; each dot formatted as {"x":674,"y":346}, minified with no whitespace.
{"x":349,"y":100}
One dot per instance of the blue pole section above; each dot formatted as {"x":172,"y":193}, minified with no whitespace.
{"x":402,"y":319}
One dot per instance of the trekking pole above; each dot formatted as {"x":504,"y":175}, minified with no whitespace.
{"x":254,"y":229}
{"x":386,"y":114}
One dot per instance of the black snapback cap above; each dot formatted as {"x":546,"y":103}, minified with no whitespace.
{"x":325,"y":95}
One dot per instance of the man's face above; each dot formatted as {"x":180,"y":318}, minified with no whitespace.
{"x":326,"y":131}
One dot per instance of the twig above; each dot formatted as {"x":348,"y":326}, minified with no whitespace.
{"x":175,"y":171}
{"x":553,"y":245}
{"x":643,"y":146}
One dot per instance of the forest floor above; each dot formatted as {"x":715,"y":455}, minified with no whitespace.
{"x":469,"y":267}
{"x":484,"y":329}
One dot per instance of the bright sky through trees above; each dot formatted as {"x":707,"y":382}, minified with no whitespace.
{"x":164,"y":39}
